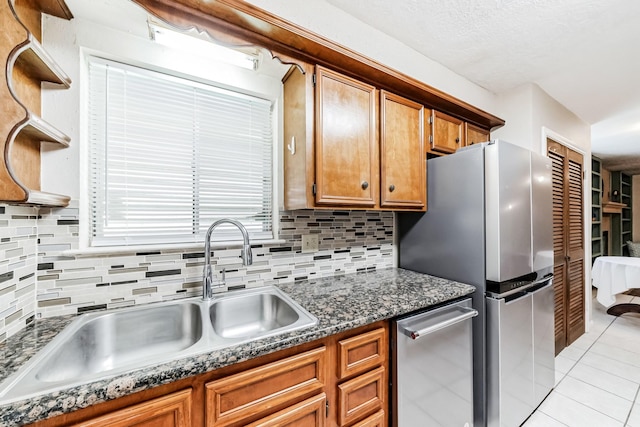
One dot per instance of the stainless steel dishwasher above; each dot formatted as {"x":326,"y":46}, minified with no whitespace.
{"x":432,"y":367}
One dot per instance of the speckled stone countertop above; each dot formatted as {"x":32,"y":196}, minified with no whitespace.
{"x":340,"y":303}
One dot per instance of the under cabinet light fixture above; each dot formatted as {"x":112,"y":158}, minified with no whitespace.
{"x":201,"y":44}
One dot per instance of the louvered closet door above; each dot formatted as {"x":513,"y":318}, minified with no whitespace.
{"x":568,"y":243}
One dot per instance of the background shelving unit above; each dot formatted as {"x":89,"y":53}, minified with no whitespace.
{"x":597,"y":245}
{"x":621,"y":226}
{"x":625,"y":197}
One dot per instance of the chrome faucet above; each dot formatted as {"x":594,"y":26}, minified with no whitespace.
{"x":247,"y":257}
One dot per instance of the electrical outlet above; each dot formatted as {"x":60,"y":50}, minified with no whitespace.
{"x":310,"y":243}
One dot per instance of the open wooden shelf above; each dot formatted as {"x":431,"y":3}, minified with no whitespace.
{"x":22,"y":130}
{"x":57,"y":8}
{"x":40,"y":198}
{"x":39,"y":64}
{"x":40,"y":130}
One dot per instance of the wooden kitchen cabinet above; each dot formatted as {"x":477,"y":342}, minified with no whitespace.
{"x":310,"y":413}
{"x":360,"y":148}
{"x":361,"y":396}
{"x":475,"y":134}
{"x":402,"y":155}
{"x":362,"y":372}
{"x":376,"y":420}
{"x":345,"y":141}
{"x":447,"y":133}
{"x":172,"y":410}
{"x":235,"y":399}
{"x":340,"y":380}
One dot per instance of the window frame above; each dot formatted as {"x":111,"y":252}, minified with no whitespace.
{"x":85,"y":231}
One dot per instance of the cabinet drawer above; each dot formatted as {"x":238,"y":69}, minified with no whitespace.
{"x":375,"y":420}
{"x":258,"y":390}
{"x":361,"y":353}
{"x":172,"y":410}
{"x":361,"y":396}
{"x":309,"y":413}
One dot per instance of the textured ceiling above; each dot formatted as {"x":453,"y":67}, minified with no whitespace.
{"x":584,"y":53}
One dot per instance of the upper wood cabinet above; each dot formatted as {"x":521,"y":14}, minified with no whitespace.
{"x":475,"y":134}
{"x":353,"y":147}
{"x":346,"y":141}
{"x":447,"y":132}
{"x":402,"y":154}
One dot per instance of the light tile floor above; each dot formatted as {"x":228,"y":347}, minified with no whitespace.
{"x":598,"y":376}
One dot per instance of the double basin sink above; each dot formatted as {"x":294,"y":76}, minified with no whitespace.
{"x":99,"y":345}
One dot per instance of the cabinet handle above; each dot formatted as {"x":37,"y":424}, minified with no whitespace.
{"x":391,"y":188}
{"x":365,"y":185}
{"x":457,"y":140}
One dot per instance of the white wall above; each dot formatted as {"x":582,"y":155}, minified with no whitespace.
{"x":338,"y":26}
{"x":69,"y":42}
{"x":529,"y":110}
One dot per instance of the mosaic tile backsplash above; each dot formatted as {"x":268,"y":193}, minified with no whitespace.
{"x":18,"y":246}
{"x":350,"y":241}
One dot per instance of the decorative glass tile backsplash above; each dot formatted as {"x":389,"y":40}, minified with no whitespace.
{"x":18,"y":260}
{"x":349,"y":241}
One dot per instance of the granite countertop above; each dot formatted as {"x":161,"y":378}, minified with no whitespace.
{"x":340,"y":303}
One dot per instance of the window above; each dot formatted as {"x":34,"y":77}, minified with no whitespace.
{"x":168,"y":156}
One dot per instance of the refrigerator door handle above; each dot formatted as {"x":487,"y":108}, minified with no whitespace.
{"x":417,"y":332}
{"x":544,"y":286}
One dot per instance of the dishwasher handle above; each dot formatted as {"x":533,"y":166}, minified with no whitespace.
{"x":417,"y":332}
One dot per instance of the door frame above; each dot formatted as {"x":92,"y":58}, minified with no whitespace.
{"x":586,"y":203}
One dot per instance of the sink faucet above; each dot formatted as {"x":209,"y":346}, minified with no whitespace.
{"x":247,"y":257}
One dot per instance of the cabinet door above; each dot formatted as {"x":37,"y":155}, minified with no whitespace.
{"x":475,"y":135}
{"x":447,"y":131}
{"x":375,"y":420}
{"x":172,"y":410}
{"x":402,"y":155}
{"x":346,"y":141}
{"x":309,"y":413}
{"x":361,"y":396}
{"x":362,"y":352}
{"x":233,"y":399}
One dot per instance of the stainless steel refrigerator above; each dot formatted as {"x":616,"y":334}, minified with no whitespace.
{"x":489,"y":224}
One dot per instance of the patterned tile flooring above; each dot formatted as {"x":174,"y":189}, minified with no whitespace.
{"x":598,"y":376}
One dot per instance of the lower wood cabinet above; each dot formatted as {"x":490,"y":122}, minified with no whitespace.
{"x":379,"y":419}
{"x":309,"y":413}
{"x":361,"y":396}
{"x":172,"y":410}
{"x":257,"y":391}
{"x":341,"y":380}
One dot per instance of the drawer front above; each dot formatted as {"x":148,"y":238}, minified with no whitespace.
{"x":172,"y":410}
{"x":362,"y":353}
{"x":361,"y":396}
{"x":257,"y":390}
{"x":375,"y":420}
{"x":309,"y":413}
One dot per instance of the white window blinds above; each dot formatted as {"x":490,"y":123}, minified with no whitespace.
{"x":169,"y":156}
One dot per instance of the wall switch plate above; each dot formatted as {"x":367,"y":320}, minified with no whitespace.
{"x":310,"y":243}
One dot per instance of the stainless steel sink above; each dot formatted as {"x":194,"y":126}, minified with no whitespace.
{"x":117,"y":339}
{"x":105,"y":344}
{"x":256,"y":313}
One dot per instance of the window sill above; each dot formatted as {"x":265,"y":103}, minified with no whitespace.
{"x":177,"y":247}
